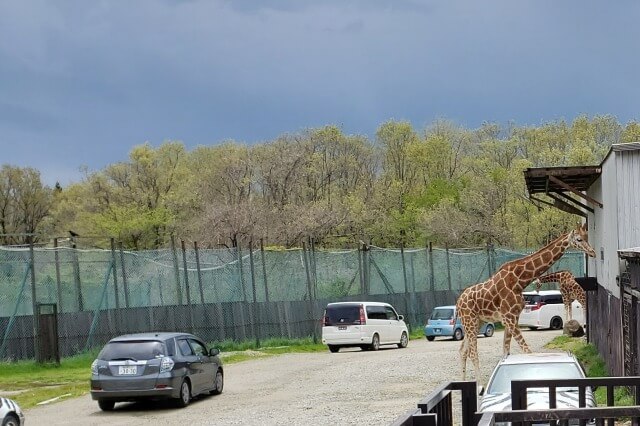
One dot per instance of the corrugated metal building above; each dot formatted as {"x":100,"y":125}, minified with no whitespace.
{"x":608,"y":198}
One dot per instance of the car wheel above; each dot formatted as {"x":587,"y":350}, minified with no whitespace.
{"x":375,"y":343}
{"x":404,"y":340}
{"x":533,"y":328}
{"x":457,"y":335}
{"x":185,"y":395}
{"x":105,"y":405}
{"x":431,"y":338}
{"x":334,"y":348}
{"x":556,"y":323}
{"x":488,"y":332}
{"x":218,"y":383}
{"x":11,"y":420}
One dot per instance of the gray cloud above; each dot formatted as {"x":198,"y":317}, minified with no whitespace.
{"x":100,"y":77}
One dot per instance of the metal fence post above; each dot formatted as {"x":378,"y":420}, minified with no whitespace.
{"x":448,"y":266}
{"x":58,"y":280}
{"x":115,"y":273}
{"x":186,"y":285}
{"x":264,"y":271}
{"x":309,"y":290}
{"x":432,"y":284}
{"x":34,"y":301}
{"x":76,"y":273}
{"x":195,"y":248}
{"x":176,"y":270}
{"x":124,"y":276}
{"x":96,"y":313}
{"x":406,"y":286}
{"x":255,"y":297}
{"x":241,"y":272}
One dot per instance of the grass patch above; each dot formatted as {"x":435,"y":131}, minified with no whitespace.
{"x":593,"y":365}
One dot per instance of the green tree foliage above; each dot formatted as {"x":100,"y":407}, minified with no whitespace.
{"x":445,"y":184}
{"x":24,"y":204}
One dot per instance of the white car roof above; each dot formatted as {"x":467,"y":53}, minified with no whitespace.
{"x":539,"y":357}
{"x":445,"y":307}
{"x":542,"y":292}
{"x":359,"y":303}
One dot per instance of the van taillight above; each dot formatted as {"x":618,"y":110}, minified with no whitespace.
{"x":363,"y":319}
{"x":325,"y":319}
{"x":452,"y":321}
{"x":537,"y":306}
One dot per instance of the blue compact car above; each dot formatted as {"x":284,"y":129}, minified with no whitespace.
{"x":444,"y":322}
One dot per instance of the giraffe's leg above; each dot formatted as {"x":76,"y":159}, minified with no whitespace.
{"x":506,"y":342}
{"x":464,"y":353}
{"x":468,"y":346}
{"x":567,"y":309}
{"x":510,"y":322}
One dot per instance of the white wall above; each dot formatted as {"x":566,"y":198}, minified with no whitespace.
{"x":617,"y":224}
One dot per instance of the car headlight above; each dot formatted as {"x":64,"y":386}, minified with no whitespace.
{"x":94,"y":367}
{"x":166,"y":364}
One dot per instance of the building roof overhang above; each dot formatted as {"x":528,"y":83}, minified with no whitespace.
{"x":566,"y":186}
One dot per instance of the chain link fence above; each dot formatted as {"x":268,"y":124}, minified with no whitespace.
{"x":224,"y":294}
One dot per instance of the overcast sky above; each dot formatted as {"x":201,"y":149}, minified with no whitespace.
{"x":82,"y":82}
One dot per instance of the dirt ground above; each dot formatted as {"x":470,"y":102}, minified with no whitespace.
{"x":349,"y":387}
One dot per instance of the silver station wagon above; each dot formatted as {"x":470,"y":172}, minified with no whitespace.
{"x":175,"y":366}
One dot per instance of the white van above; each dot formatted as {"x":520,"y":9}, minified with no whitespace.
{"x":545,"y":309}
{"x":365,"y":324}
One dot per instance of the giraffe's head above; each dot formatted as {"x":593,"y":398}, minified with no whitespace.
{"x":579,"y":239}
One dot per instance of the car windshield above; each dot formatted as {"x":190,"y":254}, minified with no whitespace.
{"x":342,"y":314}
{"x":134,"y":350}
{"x":442,"y":314}
{"x":505,"y":373}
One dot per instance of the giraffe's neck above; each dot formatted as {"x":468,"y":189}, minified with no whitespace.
{"x":552,"y":278}
{"x":542,"y":259}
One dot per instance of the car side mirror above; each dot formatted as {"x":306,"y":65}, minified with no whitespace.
{"x":481,"y":391}
{"x":400,"y":317}
{"x":214,"y":351}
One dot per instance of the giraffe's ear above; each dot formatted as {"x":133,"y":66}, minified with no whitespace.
{"x":584,"y":227}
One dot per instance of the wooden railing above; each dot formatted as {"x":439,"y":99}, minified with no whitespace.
{"x":437,"y":408}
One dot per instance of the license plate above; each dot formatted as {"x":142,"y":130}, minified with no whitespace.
{"x":437,"y":330}
{"x":342,"y":327}
{"x":127,"y":370}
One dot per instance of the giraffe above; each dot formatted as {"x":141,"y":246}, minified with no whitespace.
{"x":569,"y":288}
{"x":500,"y":297}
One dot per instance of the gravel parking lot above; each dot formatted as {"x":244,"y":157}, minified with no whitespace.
{"x":349,"y":387}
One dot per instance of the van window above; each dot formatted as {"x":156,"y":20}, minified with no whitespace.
{"x":553,"y":299}
{"x":376,"y":312}
{"x":391,"y":314}
{"x":531,"y":299}
{"x":442,"y":314}
{"x":342,"y":314}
